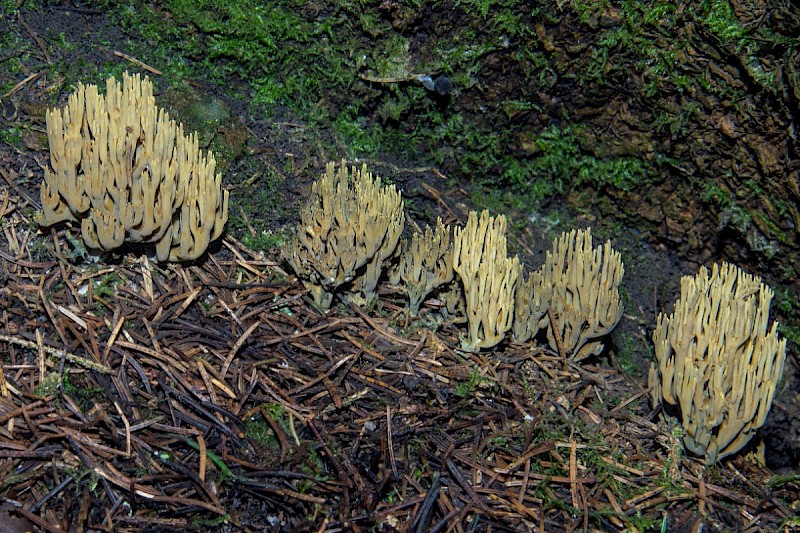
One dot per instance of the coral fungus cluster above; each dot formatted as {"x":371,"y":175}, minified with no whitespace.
{"x":349,"y":229}
{"x":125,"y":171}
{"x":715,"y":359}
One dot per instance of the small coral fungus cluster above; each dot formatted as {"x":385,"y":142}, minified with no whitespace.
{"x":715,"y":360}
{"x":349,"y":234}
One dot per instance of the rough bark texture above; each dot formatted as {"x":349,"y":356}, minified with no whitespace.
{"x":713,"y":113}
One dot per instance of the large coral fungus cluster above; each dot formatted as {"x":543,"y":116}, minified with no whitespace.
{"x":122,"y":169}
{"x":583,"y":284}
{"x":489,"y":278}
{"x":717,"y":360}
{"x":425,"y":263}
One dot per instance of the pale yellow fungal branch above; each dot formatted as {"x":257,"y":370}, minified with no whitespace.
{"x":585,"y":292}
{"x":426,"y":262}
{"x":350,"y":222}
{"x":530,"y":305}
{"x":489,"y":278}
{"x":717,"y":361}
{"x":454,"y":307}
{"x":123,"y":169}
{"x":383,"y":224}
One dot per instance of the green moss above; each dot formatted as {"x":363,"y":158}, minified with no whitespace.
{"x":85,"y":396}
{"x":261,"y":432}
{"x":557,"y":162}
{"x":644,"y":31}
{"x":107,"y":285}
{"x":712,"y":193}
{"x":636,"y":24}
{"x":264,"y":241}
{"x":465,"y":389}
{"x":788,"y":305}
{"x":49,"y":385}
{"x":673,"y":120}
{"x":779,"y":480}
{"x":260,"y":44}
{"x":213,"y":521}
{"x":8,"y":7}
{"x":390,"y":59}
{"x":313,"y":466}
{"x":12,"y":135}
{"x":719,"y":18}
{"x":61,"y":40}
{"x":771,"y":230}
{"x":639,"y":522}
{"x":361,"y":139}
{"x":627,"y":355}
{"x":785,"y":302}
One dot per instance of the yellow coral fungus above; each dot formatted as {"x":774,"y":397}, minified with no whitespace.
{"x":349,"y":225}
{"x":716,"y":360}
{"x":123,"y":169}
{"x":489,"y":278}
{"x":426,"y":262}
{"x":585,"y":297}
